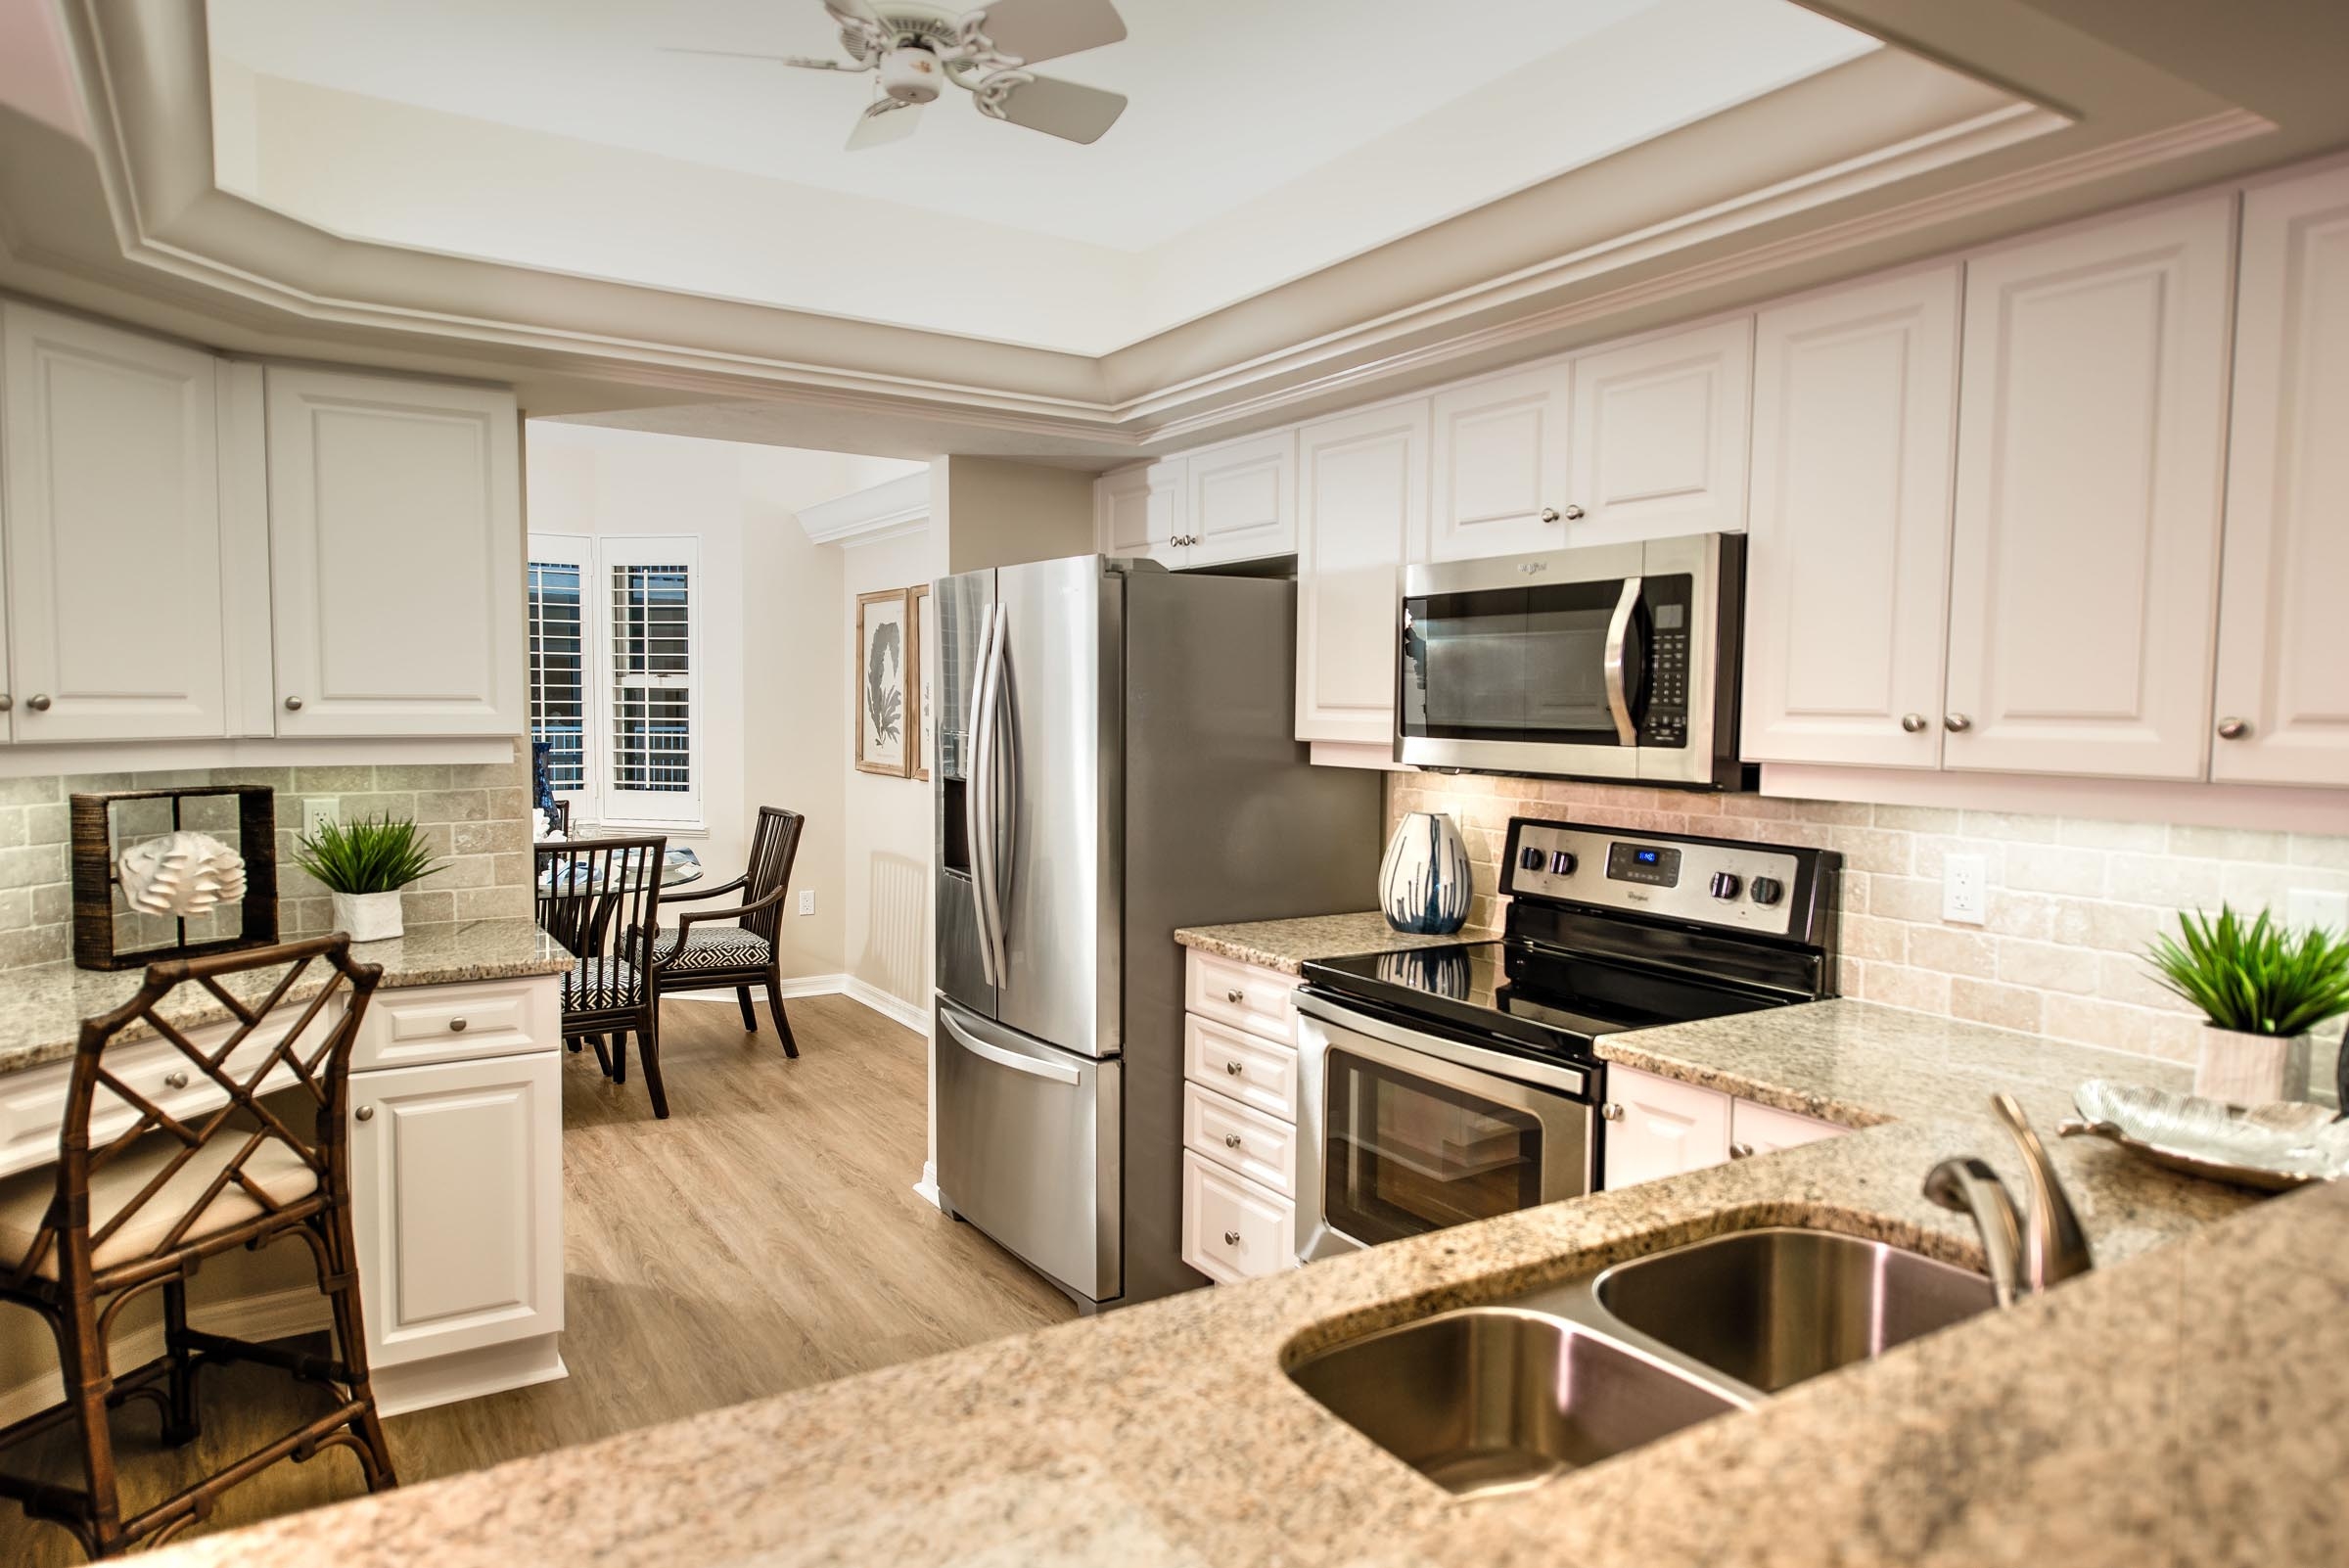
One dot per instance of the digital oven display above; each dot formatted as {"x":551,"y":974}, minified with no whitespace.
{"x":1654,"y":865}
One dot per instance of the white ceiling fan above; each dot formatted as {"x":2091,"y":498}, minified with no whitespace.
{"x":917,"y":48}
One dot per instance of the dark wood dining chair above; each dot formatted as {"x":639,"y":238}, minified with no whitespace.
{"x":138,"y":1206}
{"x":699,"y":955}
{"x":597,"y":897}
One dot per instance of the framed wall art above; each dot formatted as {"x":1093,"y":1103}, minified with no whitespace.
{"x":884,"y":692}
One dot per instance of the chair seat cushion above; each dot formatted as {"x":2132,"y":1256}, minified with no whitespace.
{"x":274,"y":1167}
{"x":600,"y":983}
{"x":710,"y":948}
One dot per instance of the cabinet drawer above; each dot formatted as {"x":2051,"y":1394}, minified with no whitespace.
{"x":418,"y":1024}
{"x":1246,"y":997}
{"x":1249,"y":1068}
{"x":1233,"y":1229}
{"x":1254,"y":1144}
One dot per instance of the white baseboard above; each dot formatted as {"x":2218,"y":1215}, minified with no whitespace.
{"x":279,"y":1314}
{"x":897,"y":1009}
{"x":468,"y":1374}
{"x":927,"y":1187}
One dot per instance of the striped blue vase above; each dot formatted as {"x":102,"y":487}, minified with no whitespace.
{"x":1424,"y":882}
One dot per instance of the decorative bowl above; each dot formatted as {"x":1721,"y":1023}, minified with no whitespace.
{"x":2272,"y":1146}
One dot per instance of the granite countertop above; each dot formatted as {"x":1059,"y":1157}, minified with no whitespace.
{"x":41,"y":1009}
{"x":1289,"y":944}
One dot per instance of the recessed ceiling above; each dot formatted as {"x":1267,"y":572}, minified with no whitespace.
{"x":1263,"y":142}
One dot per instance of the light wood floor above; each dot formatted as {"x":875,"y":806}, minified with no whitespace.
{"x":764,"y":1238}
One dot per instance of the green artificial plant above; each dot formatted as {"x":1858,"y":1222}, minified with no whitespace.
{"x":2254,"y":976}
{"x":375,"y":855}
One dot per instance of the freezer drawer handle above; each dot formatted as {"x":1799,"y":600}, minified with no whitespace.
{"x":997,"y":1054}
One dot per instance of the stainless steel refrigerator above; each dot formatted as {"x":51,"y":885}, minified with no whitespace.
{"x":1115,"y":760}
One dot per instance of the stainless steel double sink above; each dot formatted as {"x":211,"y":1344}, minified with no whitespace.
{"x":1502,"y":1397}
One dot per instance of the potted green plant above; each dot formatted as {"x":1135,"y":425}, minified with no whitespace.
{"x":2262,"y":988}
{"x":364,"y":865}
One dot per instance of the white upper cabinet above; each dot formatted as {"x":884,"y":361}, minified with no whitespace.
{"x":2283,"y":703}
{"x":107,"y":440}
{"x":1854,"y":412}
{"x":396,"y":547}
{"x":1659,"y":435}
{"x":1137,"y":512}
{"x":1241,"y":501}
{"x":2090,"y":431}
{"x":1500,"y":466}
{"x":1362,"y":516}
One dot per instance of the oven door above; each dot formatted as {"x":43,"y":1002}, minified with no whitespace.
{"x":1409,"y":1128}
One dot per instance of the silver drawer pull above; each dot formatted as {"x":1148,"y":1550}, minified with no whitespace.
{"x":456,"y":1026}
{"x":1232,"y":1238}
{"x":1234,"y":1069}
{"x":293,"y":705}
{"x":1741,"y":1151}
{"x":1610,"y":1112}
{"x":1235,"y":996}
{"x":1232,"y":1140}
{"x":365,"y":1113}
{"x":38,"y":702}
{"x":175,"y":1080}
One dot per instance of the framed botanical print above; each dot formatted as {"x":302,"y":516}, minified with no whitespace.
{"x":918,"y":653}
{"x":885,"y":738}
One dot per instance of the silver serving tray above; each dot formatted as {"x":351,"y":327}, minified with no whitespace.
{"x":2272,"y":1147}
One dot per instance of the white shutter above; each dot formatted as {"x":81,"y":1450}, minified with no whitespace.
{"x":561,"y":572}
{"x":650,"y":766}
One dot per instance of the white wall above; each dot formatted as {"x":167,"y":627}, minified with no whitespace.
{"x":889,"y":833}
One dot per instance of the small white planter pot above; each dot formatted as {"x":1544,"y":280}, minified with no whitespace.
{"x":2251,"y":1069}
{"x":368,"y":916}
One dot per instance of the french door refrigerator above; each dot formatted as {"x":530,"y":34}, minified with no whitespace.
{"x":1115,"y":760}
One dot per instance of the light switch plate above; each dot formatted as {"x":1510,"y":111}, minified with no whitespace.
{"x":806,"y":901}
{"x":2314,"y":907}
{"x":315,"y":813}
{"x":1963,"y":896}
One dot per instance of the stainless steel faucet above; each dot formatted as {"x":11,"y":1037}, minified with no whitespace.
{"x":2030,"y":1253}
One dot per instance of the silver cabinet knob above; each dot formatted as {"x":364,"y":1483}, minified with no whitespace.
{"x":456,"y":1026}
{"x":1741,"y":1151}
{"x":1232,"y":1140}
{"x":1956,"y":724}
{"x":1574,"y":514}
{"x":365,"y":1113}
{"x":2234,"y":728}
{"x":1235,"y":996}
{"x":6,"y":701}
{"x":1232,"y":1238}
{"x":1233,"y":1068}
{"x":1549,"y":513}
{"x":38,"y":702}
{"x":1914,"y":724}
{"x":175,"y":1080}
{"x":293,"y":705}
{"x":1611,"y":1112}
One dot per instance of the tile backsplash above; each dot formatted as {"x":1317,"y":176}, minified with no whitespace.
{"x":474,"y":815}
{"x":2071,"y":901}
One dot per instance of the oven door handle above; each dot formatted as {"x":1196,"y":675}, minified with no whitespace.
{"x":1569,"y":1081}
{"x":1619,"y":629}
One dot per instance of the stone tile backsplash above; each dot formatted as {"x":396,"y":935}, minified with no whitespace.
{"x":474,"y":815}
{"x":2072,"y":901}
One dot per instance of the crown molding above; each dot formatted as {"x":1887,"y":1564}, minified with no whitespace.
{"x":893,"y":509}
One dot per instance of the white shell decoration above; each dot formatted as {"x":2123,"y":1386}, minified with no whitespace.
{"x":182,"y":874}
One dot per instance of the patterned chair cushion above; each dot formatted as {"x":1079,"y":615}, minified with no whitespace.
{"x":710,"y":947}
{"x":599,"y":982}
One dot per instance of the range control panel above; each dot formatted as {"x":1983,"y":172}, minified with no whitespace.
{"x":1738,"y":886}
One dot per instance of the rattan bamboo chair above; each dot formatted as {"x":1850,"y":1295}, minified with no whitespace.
{"x":139,"y":1203}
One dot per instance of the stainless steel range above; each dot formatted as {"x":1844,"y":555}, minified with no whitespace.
{"x":1454,"y":1084}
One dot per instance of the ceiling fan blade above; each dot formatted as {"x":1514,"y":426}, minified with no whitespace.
{"x":885,"y":119}
{"x":855,"y":10}
{"x":803,"y":62}
{"x":1047,"y":30}
{"x":1067,"y":110}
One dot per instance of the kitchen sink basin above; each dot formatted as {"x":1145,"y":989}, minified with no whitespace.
{"x":1494,"y":1398}
{"x":1770,"y":1308}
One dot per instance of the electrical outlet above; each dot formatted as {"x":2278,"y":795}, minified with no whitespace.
{"x":2312,"y":906}
{"x":316,"y":812}
{"x":806,"y":901}
{"x":1963,"y":896}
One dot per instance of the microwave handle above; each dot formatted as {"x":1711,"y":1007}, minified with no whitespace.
{"x":1619,"y":628}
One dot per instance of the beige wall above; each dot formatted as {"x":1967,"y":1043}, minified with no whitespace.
{"x":993,"y":511}
{"x":888,"y":819}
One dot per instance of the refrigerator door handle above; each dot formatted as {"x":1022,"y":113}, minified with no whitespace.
{"x":1004,"y":814}
{"x":977,"y":819}
{"x":1034,"y":1067}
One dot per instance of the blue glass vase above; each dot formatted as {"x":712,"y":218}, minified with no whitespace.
{"x":1424,"y":883}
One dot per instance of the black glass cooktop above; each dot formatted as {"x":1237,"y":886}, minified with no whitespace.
{"x":1523,"y":992}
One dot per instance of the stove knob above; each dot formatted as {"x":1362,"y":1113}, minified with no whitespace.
{"x":1726,"y":883}
{"x":1561,"y":863}
{"x":1531,"y":858}
{"x":1767,"y":889}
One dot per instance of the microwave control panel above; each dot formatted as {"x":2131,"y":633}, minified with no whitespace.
{"x":1664,"y":719}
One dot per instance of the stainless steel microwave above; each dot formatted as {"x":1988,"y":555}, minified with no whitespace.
{"x":1610,"y":662}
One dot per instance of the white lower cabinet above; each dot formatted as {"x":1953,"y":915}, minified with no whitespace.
{"x":457,"y":1181}
{"x":1239,"y":1119}
{"x":1233,"y":1229}
{"x":1661,"y":1126}
{"x":1764,"y":1130}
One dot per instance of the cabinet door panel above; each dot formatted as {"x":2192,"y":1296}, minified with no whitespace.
{"x":1139,"y":512}
{"x":1362,"y":516}
{"x":1664,"y":1128}
{"x":395,"y":542}
{"x":1855,"y":415}
{"x":1659,"y":435}
{"x":1766,"y":1129}
{"x":1499,"y":463}
{"x":114,"y":533}
{"x":456,"y":1178}
{"x":1242,"y":499}
{"x":2283,"y":673}
{"x":2085,"y":558}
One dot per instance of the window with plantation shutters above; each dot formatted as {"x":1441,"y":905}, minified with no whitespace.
{"x":559,"y":568}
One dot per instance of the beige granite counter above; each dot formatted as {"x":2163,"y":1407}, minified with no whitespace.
{"x":1289,"y":944}
{"x":41,"y":1009}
